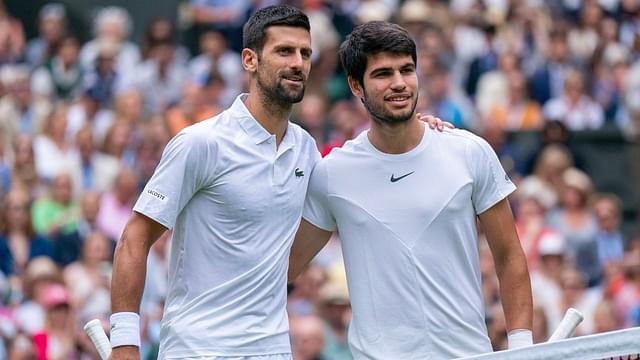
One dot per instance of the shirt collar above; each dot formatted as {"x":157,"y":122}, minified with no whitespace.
{"x":248,"y":123}
{"x":253,"y":128}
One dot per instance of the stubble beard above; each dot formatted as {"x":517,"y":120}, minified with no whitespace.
{"x":382,"y":115}
{"x":277,"y":94}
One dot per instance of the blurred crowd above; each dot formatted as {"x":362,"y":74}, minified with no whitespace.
{"x":83,"y":125}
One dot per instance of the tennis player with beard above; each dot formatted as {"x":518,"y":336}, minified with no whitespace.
{"x":405,"y":202}
{"x":232,"y":189}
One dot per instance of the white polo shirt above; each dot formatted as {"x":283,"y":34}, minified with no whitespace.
{"x":408,"y":228}
{"x":234,"y":203}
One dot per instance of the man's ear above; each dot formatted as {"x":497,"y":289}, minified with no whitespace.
{"x":356,"y":88}
{"x":249,"y":60}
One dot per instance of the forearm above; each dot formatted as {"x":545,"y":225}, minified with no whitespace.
{"x":130,"y":263}
{"x":308,"y":242}
{"x":515,"y":291}
{"x":129,"y":272}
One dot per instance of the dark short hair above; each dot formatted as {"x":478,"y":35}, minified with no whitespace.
{"x":372,"y":38}
{"x":254,"y":33}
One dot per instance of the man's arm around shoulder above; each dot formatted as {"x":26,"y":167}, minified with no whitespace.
{"x":129,"y":271}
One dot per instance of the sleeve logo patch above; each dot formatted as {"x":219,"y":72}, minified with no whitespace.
{"x":156,"y":194}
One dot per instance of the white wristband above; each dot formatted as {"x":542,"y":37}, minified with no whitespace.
{"x":519,"y":338}
{"x":125,"y":329}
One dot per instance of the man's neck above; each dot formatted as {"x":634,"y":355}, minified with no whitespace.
{"x":273,"y":117}
{"x":396,"y":138}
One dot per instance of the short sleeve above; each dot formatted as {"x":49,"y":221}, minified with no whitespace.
{"x":490,"y":182}
{"x":316,"y":206}
{"x":182,"y":171}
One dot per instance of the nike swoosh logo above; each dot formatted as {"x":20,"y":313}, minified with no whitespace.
{"x":394,"y":179}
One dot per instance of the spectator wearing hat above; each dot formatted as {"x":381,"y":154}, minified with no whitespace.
{"x":335,"y":309}
{"x":52,"y":27}
{"x":546,"y":278}
{"x":30,"y":314}
{"x":575,"y":220}
{"x":57,"y":340}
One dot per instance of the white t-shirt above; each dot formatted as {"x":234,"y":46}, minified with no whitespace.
{"x":234,"y":203}
{"x":408,"y":229}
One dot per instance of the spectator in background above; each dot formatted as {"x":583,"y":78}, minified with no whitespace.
{"x":19,"y":244}
{"x":605,"y":317}
{"x":30,"y":314}
{"x":611,"y":71}
{"x":12,"y":39}
{"x":344,"y":119}
{"x":575,"y":294}
{"x":24,"y":175}
{"x":574,"y":107}
{"x":116,"y":205}
{"x":583,"y":39}
{"x":118,"y":143}
{"x":493,"y":86}
{"x":546,"y":181}
{"x":88,"y":111}
{"x":154,"y":137}
{"x":60,"y":77}
{"x":546,"y":278}
{"x":191,"y":109}
{"x":20,"y":112}
{"x":518,"y":112}
{"x":57,"y":340}
{"x":628,"y":298}
{"x":56,"y":216}
{"x":160,"y":30}
{"x":531,"y":228}
{"x":112,"y":26}
{"x":306,"y":291}
{"x":54,"y":153}
{"x":548,"y":79}
{"x":576,"y":222}
{"x":102,"y":77}
{"x":98,"y":170}
{"x":335,"y":310}
{"x":307,"y":338}
{"x":608,"y":212}
{"x":438,"y":101}
{"x":217,"y":58}
{"x":89,"y":277}
{"x":483,"y":63}
{"x":225,"y":16}
{"x":89,"y":208}
{"x":310,"y":115}
{"x":52,"y":27}
{"x":160,"y":78}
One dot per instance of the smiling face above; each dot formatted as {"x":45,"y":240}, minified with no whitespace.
{"x":282,"y":67}
{"x":390,"y":87}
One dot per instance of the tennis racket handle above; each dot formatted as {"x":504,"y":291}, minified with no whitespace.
{"x":572,"y":318}
{"x":96,"y":333}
